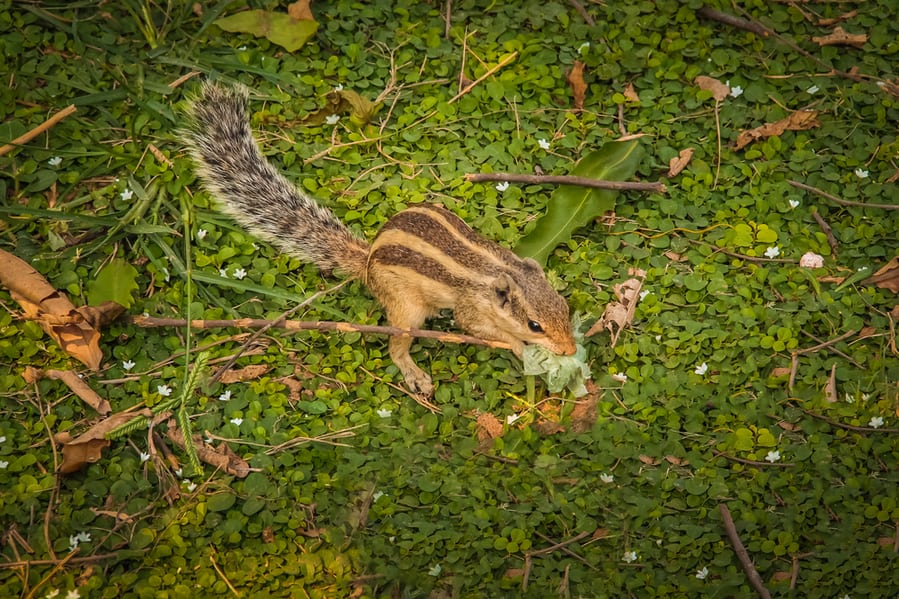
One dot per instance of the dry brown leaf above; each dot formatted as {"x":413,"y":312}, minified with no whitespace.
{"x":100,"y":316}
{"x":489,"y":426}
{"x":887,"y":277}
{"x":839,"y":37}
{"x":886,"y":541}
{"x":618,"y":314}
{"x":676,"y":165}
{"x":578,"y":86}
{"x":247,"y":373}
{"x":830,"y":389}
{"x":583,"y":415}
{"x":674,"y":256}
{"x":300,"y":10}
{"x":630,"y":94}
{"x":51,"y":309}
{"x":88,"y":447}
{"x":648,"y":460}
{"x":676,"y":461}
{"x":220,"y":457}
{"x":781,"y":371}
{"x":514,"y":573}
{"x":719,"y":90}
{"x":782,"y":576}
{"x":843,"y":17}
{"x":73,"y":382}
{"x":788,"y":426}
{"x":796,"y":121}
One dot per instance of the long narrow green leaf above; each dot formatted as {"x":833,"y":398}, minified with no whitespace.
{"x":571,"y":207}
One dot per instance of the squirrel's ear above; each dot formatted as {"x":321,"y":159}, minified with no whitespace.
{"x":503,"y":288}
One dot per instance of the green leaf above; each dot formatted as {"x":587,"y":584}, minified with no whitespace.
{"x":312,"y":407}
{"x":220,"y":502}
{"x":571,"y":207}
{"x":117,"y":281}
{"x":279,"y":28}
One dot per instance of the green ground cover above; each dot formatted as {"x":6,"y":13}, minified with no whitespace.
{"x":716,"y":393}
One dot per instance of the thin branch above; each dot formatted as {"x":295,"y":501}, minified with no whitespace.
{"x":565,"y":543}
{"x":318,"y":325}
{"x":848,"y":427}
{"x":583,"y":12}
{"x":566,"y":180}
{"x":66,"y":560}
{"x":841,"y":201}
{"x":751,"y":573}
{"x":826,"y":344}
{"x":24,"y":139}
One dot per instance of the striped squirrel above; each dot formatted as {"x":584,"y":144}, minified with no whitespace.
{"x":424,"y":259}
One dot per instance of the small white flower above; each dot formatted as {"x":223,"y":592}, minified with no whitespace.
{"x":384,"y":413}
{"x":861,"y":173}
{"x":4,"y":464}
{"x":165,"y":274}
{"x":52,"y":594}
{"x":583,"y":47}
{"x":332,"y":119}
{"x":736,"y":91}
{"x":237,"y":421}
{"x":338,"y":87}
{"x":701,"y":369}
{"x":225,"y":396}
{"x":875,"y":422}
{"x":620,"y":377}
{"x":435,"y":571}
{"x":242,"y":48}
{"x":144,"y":457}
{"x":127,"y":365}
{"x":812,"y":90}
{"x":127,"y":194}
{"x":179,"y":472}
{"x":772,"y":252}
{"x":512,"y":418}
{"x":202,"y":233}
{"x":377,"y":495}
{"x":191,"y":486}
{"x":811,"y":260}
{"x":846,"y":596}
{"x":865,"y":397}
{"x":164,"y":390}
{"x":849,"y":398}
{"x":503,"y":186}
{"x":55,"y":161}
{"x":607,"y":478}
{"x":239,"y":273}
{"x":794,"y":203}
{"x":629,"y":556}
{"x":644,"y":293}
{"x":77,"y":539}
{"x":701,"y":574}
{"x":2,"y":439}
{"x":773,"y":456}
{"x":73,"y":594}
{"x":255,"y":246}
{"x":223,"y":272}
{"x":544,"y":145}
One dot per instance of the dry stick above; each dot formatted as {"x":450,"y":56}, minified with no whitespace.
{"x":841,"y":201}
{"x":583,"y":12}
{"x":500,"y":65}
{"x":24,"y":139}
{"x":567,"y":180}
{"x":825,"y":344}
{"x":318,"y":325}
{"x":222,"y":575}
{"x":66,"y":560}
{"x":848,"y":427}
{"x":831,"y":240}
{"x":754,"y":579}
{"x":58,"y":565}
{"x":833,"y":349}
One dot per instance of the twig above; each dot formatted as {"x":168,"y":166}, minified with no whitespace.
{"x":222,"y":574}
{"x":831,"y":240}
{"x":732,"y":458}
{"x":833,"y":349}
{"x":567,"y":180}
{"x":57,"y":566}
{"x":841,"y":201}
{"x":448,"y":18}
{"x":24,"y":139}
{"x":826,"y":344}
{"x":583,"y":12}
{"x":66,"y":560}
{"x":848,"y":427}
{"x":751,"y":573}
{"x":316,"y":325}
{"x":565,"y":543}
{"x":743,"y":256}
{"x":498,"y":66}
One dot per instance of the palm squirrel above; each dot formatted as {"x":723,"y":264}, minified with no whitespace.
{"x":424,"y":259}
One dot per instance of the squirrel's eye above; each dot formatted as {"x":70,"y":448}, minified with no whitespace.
{"x":535,"y":326}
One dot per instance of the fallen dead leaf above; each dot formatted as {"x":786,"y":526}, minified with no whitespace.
{"x":830,"y":389}
{"x":674,"y":256}
{"x":583,"y":415}
{"x":73,"y":382}
{"x":676,"y":461}
{"x":489,"y":426}
{"x":839,"y":37}
{"x":220,"y":457}
{"x":719,"y":90}
{"x":788,"y":426}
{"x":619,"y":313}
{"x":630,"y":94}
{"x":88,"y":447}
{"x":100,"y":316}
{"x":649,"y":460}
{"x":796,"y":121}
{"x":676,"y":165}
{"x":578,"y":86}
{"x":51,"y":309}
{"x":247,"y":373}
{"x":780,"y":371}
{"x":300,"y":11}
{"x":887,"y":276}
{"x":781,"y":576}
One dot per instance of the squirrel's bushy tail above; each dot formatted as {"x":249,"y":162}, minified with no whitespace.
{"x":257,"y":196}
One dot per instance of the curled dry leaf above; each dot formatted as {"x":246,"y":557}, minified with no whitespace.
{"x":797,"y":121}
{"x":220,"y":457}
{"x":51,"y":309}
{"x":74,"y":382}
{"x":830,"y":389}
{"x":619,"y":313}
{"x":719,"y":90}
{"x":489,"y":426}
{"x":88,"y":447}
{"x":578,"y":86}
{"x":676,"y":165}
{"x":247,"y":373}
{"x":839,"y":37}
{"x":887,"y":277}
{"x":630,"y":94}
